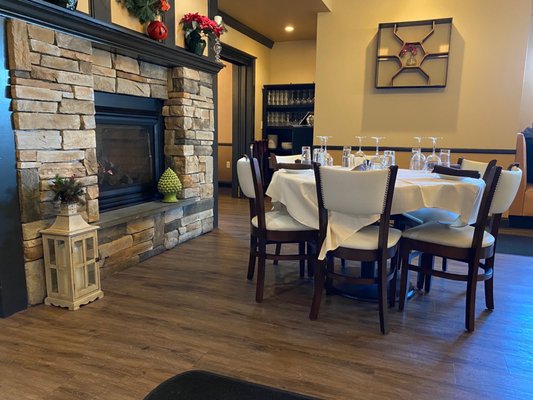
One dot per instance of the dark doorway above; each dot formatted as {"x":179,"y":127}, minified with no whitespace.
{"x":243,"y":94}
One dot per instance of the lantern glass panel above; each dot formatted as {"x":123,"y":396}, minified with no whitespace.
{"x":89,"y":249}
{"x":53,"y":278}
{"x":52,"y":251}
{"x":77,"y":252}
{"x":79,"y":278}
{"x":91,"y":274}
{"x":61,"y":253}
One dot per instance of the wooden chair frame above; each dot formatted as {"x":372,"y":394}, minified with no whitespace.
{"x":471,"y":255}
{"x":324,"y":272}
{"x":260,"y":237}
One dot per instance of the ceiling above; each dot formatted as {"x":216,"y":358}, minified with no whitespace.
{"x":269,"y":17}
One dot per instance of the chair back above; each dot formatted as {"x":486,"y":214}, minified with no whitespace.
{"x":250,"y":180}
{"x":481,"y":167}
{"x":354,"y":192}
{"x":492,"y":177}
{"x":506,"y":190}
{"x":277,"y":160}
{"x":244,"y":174}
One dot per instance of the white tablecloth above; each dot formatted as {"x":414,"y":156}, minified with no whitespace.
{"x":413,"y":190}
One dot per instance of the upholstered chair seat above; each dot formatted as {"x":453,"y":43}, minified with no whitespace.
{"x":446,"y":235}
{"x":280,"y":221}
{"x":368,"y":237}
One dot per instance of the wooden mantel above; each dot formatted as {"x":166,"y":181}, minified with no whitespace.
{"x":106,"y":35}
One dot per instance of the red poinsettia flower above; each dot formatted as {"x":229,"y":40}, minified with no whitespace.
{"x":164,"y":6}
{"x":210,"y":28}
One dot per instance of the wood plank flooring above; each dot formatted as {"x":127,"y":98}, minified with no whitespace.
{"x":192,"y":308}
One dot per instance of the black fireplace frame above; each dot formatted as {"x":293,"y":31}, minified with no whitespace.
{"x":119,"y":109}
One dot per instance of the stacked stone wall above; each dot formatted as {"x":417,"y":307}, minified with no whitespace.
{"x":53,"y":77}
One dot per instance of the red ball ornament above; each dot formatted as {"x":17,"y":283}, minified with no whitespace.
{"x":157,"y":30}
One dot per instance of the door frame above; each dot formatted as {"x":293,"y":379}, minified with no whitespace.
{"x":243,"y":110}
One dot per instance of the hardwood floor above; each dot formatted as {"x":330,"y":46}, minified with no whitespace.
{"x":192,"y":308}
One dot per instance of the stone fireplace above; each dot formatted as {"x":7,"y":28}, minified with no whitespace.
{"x":53,"y":80}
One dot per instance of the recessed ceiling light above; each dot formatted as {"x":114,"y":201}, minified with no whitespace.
{"x":289,"y":28}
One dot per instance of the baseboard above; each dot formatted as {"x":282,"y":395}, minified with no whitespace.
{"x":518,"y":221}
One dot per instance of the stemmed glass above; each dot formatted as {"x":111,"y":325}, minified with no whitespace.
{"x":433,"y":159}
{"x":326,"y":158}
{"x":376,"y":159}
{"x":418,"y":161}
{"x":360,"y":153}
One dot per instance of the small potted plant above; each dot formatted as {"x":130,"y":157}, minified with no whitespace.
{"x":196,"y":27}
{"x":68,"y":191}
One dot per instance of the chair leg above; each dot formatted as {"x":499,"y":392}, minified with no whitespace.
{"x":489,"y":285}
{"x":382,"y":288}
{"x":403,"y":279}
{"x":251,"y":261}
{"x":427,"y":263}
{"x":301,"y":251}
{"x":330,"y":263}
{"x":392,"y":284}
{"x":471,"y":285}
{"x":260,"y":272}
{"x":311,"y":262}
{"x":278,"y":252}
{"x":318,"y":289}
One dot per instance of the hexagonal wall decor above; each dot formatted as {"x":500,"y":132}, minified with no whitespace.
{"x":413,"y":54}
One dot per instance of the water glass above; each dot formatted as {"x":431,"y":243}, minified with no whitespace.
{"x":346,"y":156}
{"x":318,"y":156}
{"x":389,"y":158}
{"x":445,"y":157}
{"x":417,"y":160}
{"x":306,"y":155}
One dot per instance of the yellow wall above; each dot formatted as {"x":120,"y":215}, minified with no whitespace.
{"x":293,"y":62}
{"x":526,"y":112}
{"x":479,"y":108}
{"x":225,"y":121}
{"x":183,"y":7}
{"x":83,"y":6}
{"x":262,"y":66}
{"x":121,"y":16}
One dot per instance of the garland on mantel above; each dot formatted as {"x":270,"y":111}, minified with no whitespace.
{"x":146,"y":10}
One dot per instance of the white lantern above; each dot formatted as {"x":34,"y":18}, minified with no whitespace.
{"x":71,"y":260}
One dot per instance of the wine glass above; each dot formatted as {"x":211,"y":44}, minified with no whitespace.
{"x":326,"y":157}
{"x":433,"y":159}
{"x":418,"y":160}
{"x":360,"y":153}
{"x":376,"y":159}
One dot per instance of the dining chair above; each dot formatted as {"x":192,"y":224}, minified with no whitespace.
{"x":292,"y":163}
{"x":358,"y":193}
{"x":270,"y":227}
{"x":293,"y":159}
{"x":424,"y":215}
{"x":468,"y":244}
{"x":479,"y":166}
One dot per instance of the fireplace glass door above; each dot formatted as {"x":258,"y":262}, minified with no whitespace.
{"x":129,"y":155}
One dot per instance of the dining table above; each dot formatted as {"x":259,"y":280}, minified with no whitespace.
{"x":295,"y":191}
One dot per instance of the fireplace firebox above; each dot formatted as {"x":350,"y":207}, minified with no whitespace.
{"x":129,"y":149}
